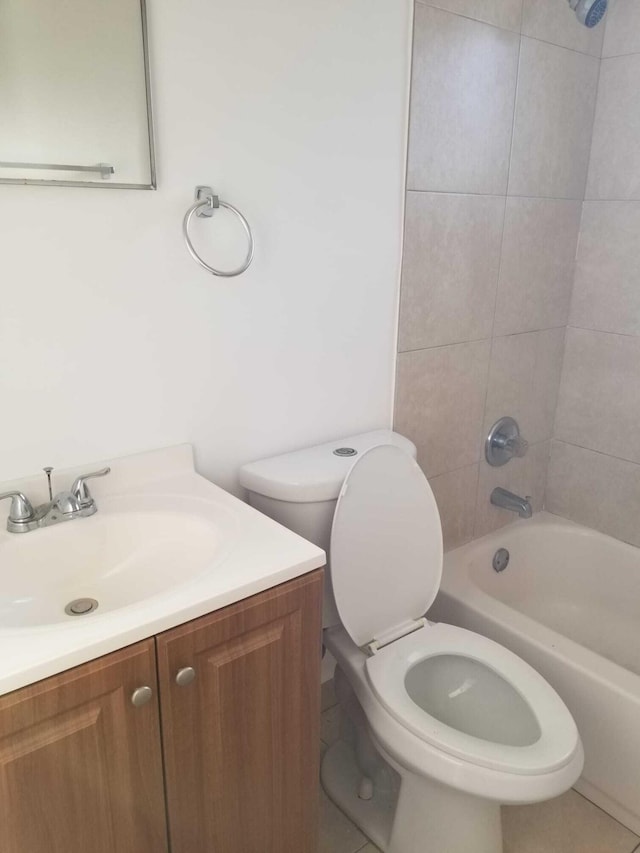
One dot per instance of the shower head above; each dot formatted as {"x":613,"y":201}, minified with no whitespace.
{"x":589,"y":12}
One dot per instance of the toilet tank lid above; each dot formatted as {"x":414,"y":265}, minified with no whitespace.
{"x":315,"y":473}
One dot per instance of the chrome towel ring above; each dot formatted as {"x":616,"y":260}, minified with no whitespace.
{"x":206,"y":202}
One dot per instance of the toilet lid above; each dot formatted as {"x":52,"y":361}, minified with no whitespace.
{"x":386,"y":544}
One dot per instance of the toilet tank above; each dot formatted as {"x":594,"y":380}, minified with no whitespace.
{"x":300,"y":489}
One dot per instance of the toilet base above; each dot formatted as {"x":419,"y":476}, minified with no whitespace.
{"x":423,"y":817}
{"x":432,"y":818}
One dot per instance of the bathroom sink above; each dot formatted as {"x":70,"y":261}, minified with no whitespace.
{"x":165,"y":546}
{"x":133,"y":549}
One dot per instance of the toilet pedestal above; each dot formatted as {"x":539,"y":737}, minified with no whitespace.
{"x":423,"y":817}
{"x":431,"y":818}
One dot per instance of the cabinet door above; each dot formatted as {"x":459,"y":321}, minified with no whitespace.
{"x":80,"y":766}
{"x":241,"y":739}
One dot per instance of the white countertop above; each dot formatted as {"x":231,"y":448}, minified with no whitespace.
{"x":258,"y":554}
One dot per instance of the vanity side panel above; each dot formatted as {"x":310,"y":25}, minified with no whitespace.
{"x":241,"y":740}
{"x":80,"y":766}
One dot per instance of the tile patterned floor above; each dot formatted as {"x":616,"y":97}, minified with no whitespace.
{"x":568,"y":824}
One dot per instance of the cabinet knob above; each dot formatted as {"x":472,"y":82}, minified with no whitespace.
{"x":185,"y":676}
{"x":140,"y":696}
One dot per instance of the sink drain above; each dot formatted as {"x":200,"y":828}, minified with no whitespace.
{"x":81,"y":606}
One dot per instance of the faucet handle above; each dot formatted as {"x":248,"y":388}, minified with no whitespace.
{"x":517,"y":445}
{"x":80,"y":490}
{"x":504,"y":442}
{"x":21,"y":509}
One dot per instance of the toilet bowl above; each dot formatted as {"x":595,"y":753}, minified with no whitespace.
{"x":457,"y":725}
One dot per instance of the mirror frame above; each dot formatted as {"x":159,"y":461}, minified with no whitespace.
{"x":153,"y":185}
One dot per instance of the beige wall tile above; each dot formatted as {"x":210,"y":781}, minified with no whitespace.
{"x":501,"y":13}
{"x":622,"y":33}
{"x":614,"y":172}
{"x":606,"y":295}
{"x":525,"y":477}
{"x":599,"y":398}
{"x":450,"y":268}
{"x":464,"y":77}
{"x":523,"y":382}
{"x":462,"y":112}
{"x":555,"y":21}
{"x":439,"y":403}
{"x":594,"y":489}
{"x":536,"y":273}
{"x":545,"y":386}
{"x":455,"y":494}
{"x":553,"y":120}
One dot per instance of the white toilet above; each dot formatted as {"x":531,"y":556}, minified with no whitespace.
{"x":446,"y":725}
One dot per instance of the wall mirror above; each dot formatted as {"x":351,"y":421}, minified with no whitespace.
{"x":75,"y":105}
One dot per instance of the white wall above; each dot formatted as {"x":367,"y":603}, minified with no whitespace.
{"x":113,"y":341}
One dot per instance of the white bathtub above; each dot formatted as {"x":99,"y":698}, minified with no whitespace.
{"x":569,"y":604}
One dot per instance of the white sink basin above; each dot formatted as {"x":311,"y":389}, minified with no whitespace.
{"x":134,"y":548}
{"x":165,"y":547}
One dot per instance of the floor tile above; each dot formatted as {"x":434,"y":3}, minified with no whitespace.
{"x":369,"y":848}
{"x":330,"y":725}
{"x":328,"y":695}
{"x":337,"y":833}
{"x":568,"y":824}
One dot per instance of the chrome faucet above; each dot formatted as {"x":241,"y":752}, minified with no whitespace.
{"x":507,"y":500}
{"x":65,"y":506}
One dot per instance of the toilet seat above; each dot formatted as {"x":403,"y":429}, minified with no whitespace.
{"x":405,"y":750}
{"x":386,"y":546}
{"x":558,"y":739}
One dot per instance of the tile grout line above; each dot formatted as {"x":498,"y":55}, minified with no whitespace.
{"x":620,"y":56}
{"x":516,"y":88}
{"x":594,"y":116}
{"x":507,"y":195}
{"x":519,"y":31}
{"x":505,"y":335}
{"x":368,"y":841}
{"x":403,"y":236}
{"x":609,"y":817}
{"x":591,"y":450}
{"x":596,"y":331}
{"x":572,"y":291}
{"x":591,"y":199}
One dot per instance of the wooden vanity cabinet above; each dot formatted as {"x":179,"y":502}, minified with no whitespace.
{"x":81,"y":766}
{"x":241,"y":739}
